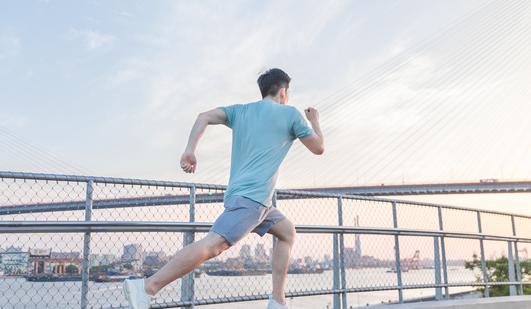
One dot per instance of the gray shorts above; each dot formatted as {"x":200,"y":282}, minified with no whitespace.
{"x":242,"y":215}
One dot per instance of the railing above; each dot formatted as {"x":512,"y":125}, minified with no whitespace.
{"x":357,"y":250}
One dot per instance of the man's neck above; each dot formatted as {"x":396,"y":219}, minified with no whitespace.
{"x":272,"y":99}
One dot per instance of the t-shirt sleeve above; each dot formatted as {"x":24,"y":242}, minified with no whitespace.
{"x":230,"y":112}
{"x":299,"y":126}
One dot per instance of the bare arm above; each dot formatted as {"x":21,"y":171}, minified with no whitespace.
{"x":211,"y":117}
{"x":314,"y":142}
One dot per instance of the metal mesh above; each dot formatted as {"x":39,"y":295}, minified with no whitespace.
{"x":124,"y":202}
{"x":416,"y":216}
{"x":453,"y":220}
{"x":26,"y":255}
{"x":367,"y":213}
{"x":369,"y":261}
{"x":458,"y":251}
{"x":41,"y":200}
{"x":54,"y":227}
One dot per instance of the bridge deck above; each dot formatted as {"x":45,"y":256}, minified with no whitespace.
{"x":513,"y":302}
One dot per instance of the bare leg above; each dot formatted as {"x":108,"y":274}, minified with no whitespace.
{"x":281,"y":254}
{"x":285,"y":233}
{"x":186,"y":260}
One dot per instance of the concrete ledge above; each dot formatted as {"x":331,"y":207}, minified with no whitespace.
{"x":506,"y":302}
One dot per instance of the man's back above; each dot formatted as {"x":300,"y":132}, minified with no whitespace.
{"x":262,"y":134}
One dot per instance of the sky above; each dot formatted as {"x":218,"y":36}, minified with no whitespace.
{"x":408,"y":91}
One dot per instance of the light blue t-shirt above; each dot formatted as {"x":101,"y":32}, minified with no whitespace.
{"x":262,"y":134}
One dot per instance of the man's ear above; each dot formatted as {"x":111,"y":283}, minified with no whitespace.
{"x":282,"y":92}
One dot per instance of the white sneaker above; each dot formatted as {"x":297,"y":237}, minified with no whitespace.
{"x":273,"y":304}
{"x":135,"y":293}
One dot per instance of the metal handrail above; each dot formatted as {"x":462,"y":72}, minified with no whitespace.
{"x":280,"y":192}
{"x":87,"y":226}
{"x":201,"y":227}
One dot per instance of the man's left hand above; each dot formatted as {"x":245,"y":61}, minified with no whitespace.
{"x":188,"y":162}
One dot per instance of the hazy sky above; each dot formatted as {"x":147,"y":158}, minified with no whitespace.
{"x":408,"y":91}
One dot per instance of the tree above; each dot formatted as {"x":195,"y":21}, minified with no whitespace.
{"x":498,"y":271}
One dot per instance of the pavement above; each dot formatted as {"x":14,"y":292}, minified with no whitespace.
{"x":506,"y":302}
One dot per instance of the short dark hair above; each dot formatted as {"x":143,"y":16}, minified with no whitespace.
{"x":272,"y":80}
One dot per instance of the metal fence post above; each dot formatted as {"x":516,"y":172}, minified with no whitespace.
{"x":510,"y":268}
{"x":397,"y":257}
{"x":517,"y":258}
{"x":336,"y":302}
{"x":336,"y":275}
{"x":187,"y":284}
{"x":437,"y":266}
{"x":342,"y":254}
{"x":85,"y":267}
{"x":483,"y":262}
{"x":443,"y":256}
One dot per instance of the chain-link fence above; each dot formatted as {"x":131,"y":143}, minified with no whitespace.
{"x":69,"y":241}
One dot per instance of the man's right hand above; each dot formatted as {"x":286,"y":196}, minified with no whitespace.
{"x":312,"y":114}
{"x":314,"y":142}
{"x":188,"y":162}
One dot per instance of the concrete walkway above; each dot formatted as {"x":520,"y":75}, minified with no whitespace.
{"x":508,"y":302}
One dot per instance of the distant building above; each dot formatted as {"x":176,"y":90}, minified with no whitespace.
{"x":309,"y":262}
{"x":233,"y":263}
{"x":38,"y":258}
{"x":107,"y":259}
{"x":61,"y":261}
{"x":95,"y":260}
{"x":44,"y":261}
{"x":245,"y":252}
{"x":14,"y":262}
{"x":353,"y":256}
{"x":133,"y":252}
{"x":350,"y":258}
{"x":102,"y":259}
{"x":357,"y":241}
{"x":260,"y":254}
{"x":160,"y":254}
{"x":157,"y":258}
{"x":327,"y":262}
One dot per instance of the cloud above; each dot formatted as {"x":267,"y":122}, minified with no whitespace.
{"x":92,"y":39}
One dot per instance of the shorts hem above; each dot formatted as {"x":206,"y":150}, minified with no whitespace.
{"x":231,"y":242}
{"x":268,"y":226}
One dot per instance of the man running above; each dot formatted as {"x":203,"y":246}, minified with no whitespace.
{"x":262,"y":133}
